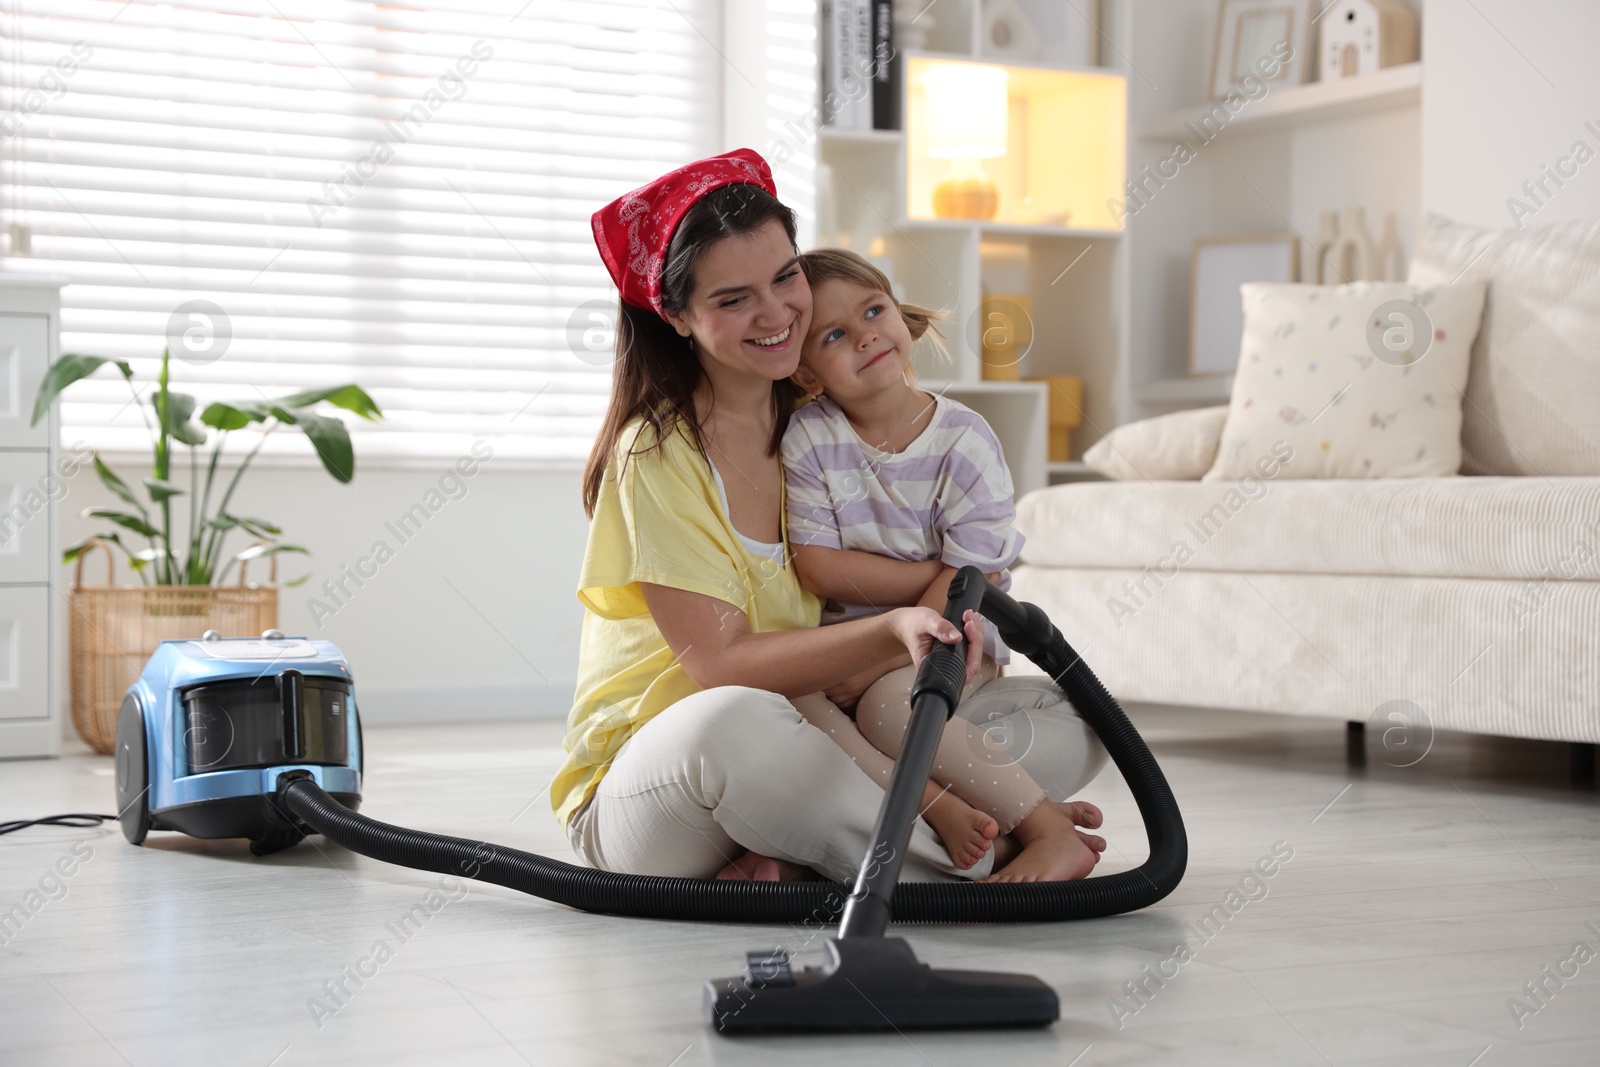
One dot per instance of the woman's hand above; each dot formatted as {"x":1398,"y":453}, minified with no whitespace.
{"x":919,"y":629}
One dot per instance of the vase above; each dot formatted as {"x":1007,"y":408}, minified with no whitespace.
{"x":1352,"y":258}
{"x":1390,"y":255}
{"x":1321,"y":248}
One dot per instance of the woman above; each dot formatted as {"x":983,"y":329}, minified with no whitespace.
{"x":686,"y":755}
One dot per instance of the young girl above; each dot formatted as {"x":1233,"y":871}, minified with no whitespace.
{"x":890,"y":490}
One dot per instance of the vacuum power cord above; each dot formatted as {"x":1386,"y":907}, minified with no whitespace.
{"x":76,"y":818}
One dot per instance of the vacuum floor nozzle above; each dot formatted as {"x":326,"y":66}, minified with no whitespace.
{"x":872,"y":983}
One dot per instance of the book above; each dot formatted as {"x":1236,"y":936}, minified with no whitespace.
{"x":825,"y":62}
{"x":886,"y":68}
{"x":838,"y":49}
{"x":859,"y":81}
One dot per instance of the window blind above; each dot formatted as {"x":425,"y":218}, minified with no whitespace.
{"x":300,"y":193}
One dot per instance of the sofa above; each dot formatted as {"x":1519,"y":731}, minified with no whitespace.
{"x":1464,"y":601}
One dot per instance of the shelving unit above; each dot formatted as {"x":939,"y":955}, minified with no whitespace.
{"x":1046,"y":65}
{"x":1271,"y":167}
{"x":1397,"y":87}
{"x":1187,"y":392}
{"x":1011,"y":229}
{"x":1066,"y":143}
{"x":830,"y":133}
{"x":1053,"y":239}
{"x":1073,"y":470}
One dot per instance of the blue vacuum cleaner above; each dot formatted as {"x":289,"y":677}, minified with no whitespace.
{"x":210,"y":726}
{"x":260,"y":738}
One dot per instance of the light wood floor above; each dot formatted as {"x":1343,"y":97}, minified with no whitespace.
{"x":1418,"y":902}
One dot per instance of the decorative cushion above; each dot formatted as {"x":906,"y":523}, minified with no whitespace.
{"x":1350,"y":381}
{"x":1176,"y":447}
{"x":1532,"y":391}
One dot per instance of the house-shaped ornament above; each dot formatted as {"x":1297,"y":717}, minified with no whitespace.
{"x":1360,"y":37}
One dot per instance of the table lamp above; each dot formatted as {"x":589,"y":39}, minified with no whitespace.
{"x":966,"y":123}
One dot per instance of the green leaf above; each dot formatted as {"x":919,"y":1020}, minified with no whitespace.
{"x":352,"y":398}
{"x":269,"y":411}
{"x":72,"y":552}
{"x":222,"y":416}
{"x":136,"y":560}
{"x":160,"y":490}
{"x":145,"y":555}
{"x":175,"y":414}
{"x":332,"y":442}
{"x":258,"y":551}
{"x":66,"y":370}
{"x":117,"y":485}
{"x":123,"y":519}
{"x":259,"y":527}
{"x":256,"y":410}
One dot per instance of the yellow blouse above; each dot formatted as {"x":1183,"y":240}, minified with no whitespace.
{"x":658,"y":518}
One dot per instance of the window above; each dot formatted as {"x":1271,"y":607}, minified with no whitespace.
{"x":299,"y":193}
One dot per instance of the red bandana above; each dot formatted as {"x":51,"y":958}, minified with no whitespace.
{"x":633,"y":231}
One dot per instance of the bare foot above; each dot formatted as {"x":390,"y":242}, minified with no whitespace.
{"x":1053,"y":850}
{"x":967,"y":833}
{"x":1006,"y":849}
{"x":1082,"y":813}
{"x":754,"y":867}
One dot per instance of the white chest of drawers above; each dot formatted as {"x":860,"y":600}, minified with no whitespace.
{"x":33,"y":592}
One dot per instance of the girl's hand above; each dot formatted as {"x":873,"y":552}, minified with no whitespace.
{"x":847,"y":693}
{"x":919,"y":629}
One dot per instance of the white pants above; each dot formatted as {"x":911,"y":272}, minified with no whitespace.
{"x":733,"y":768}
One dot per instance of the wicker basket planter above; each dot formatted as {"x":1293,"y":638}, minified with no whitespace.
{"x":115,"y":628}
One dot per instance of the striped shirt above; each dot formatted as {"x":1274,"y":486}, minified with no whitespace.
{"x":946,"y":496}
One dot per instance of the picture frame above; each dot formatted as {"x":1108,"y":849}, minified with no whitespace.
{"x":1218,"y":266}
{"x":1248,"y":31}
{"x":1066,"y":33}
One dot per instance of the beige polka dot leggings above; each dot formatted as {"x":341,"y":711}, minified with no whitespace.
{"x":992,"y":748}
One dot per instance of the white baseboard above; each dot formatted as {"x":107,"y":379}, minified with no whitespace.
{"x":463,"y":703}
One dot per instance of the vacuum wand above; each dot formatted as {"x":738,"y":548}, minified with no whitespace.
{"x":869,"y":981}
{"x":934,"y":696}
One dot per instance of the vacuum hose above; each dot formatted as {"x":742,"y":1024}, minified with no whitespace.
{"x":1023,"y":627}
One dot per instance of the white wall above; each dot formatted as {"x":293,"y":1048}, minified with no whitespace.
{"x":474,"y":617}
{"x":770,"y":98}
{"x":1508,"y":88}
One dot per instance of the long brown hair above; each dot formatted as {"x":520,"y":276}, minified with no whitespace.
{"x":656,"y":371}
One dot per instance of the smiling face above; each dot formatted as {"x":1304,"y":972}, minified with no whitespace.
{"x":750,"y":306}
{"x":858,"y":344}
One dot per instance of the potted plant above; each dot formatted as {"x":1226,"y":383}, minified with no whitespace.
{"x":115,"y":628}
